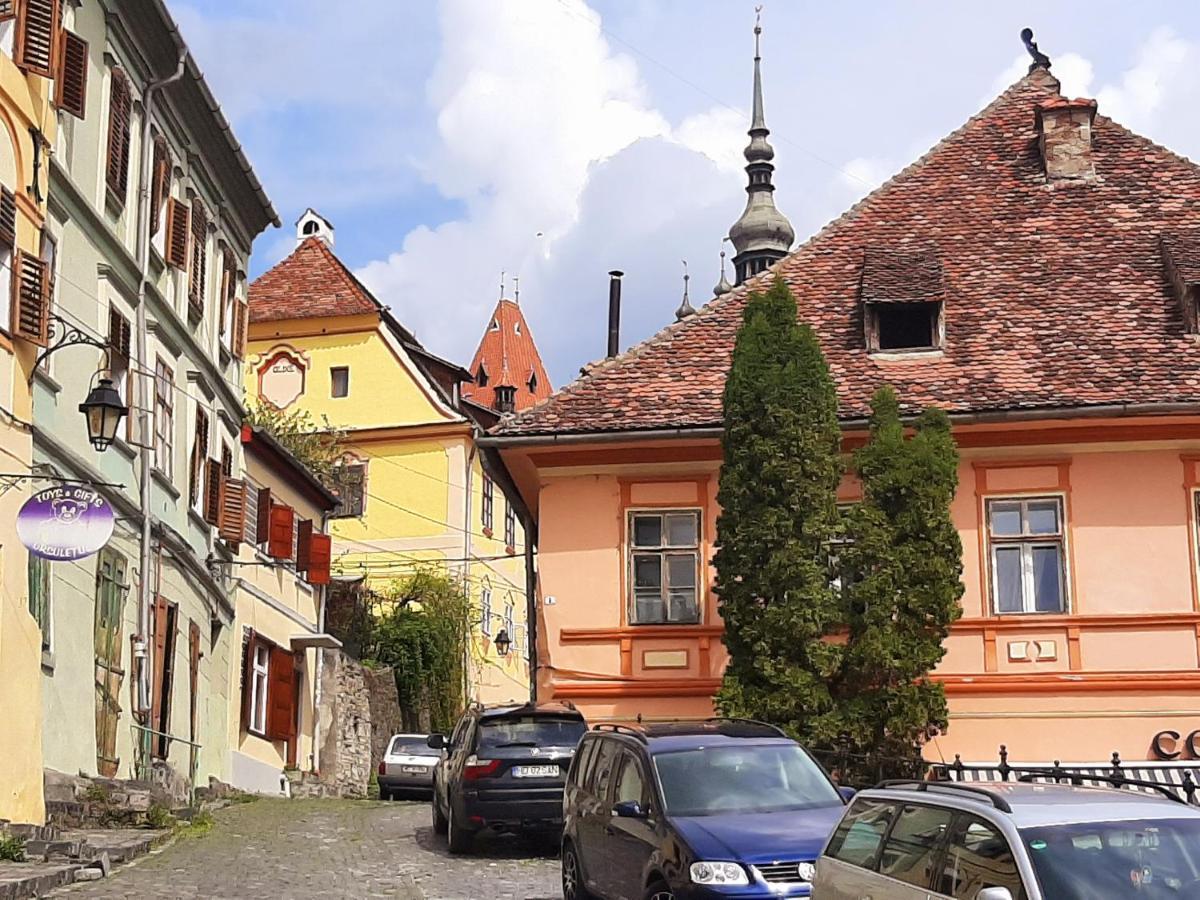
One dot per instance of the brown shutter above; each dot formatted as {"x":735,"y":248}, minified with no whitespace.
{"x":247,"y":677}
{"x":213,"y":485}
{"x":119,"y":333}
{"x":178,"y":223}
{"x":281,"y":691}
{"x":71,"y":87}
{"x":8,"y":219}
{"x":8,"y":10}
{"x":116,"y":172}
{"x":320,"y":553}
{"x":199,"y":257}
{"x":233,"y":512}
{"x":160,"y":181}
{"x":263,"y":531}
{"x":279,"y":541}
{"x":34,"y":44}
{"x":193,"y":673}
{"x":31,"y":298}
{"x":304,"y":535}
{"x":241,"y":326}
{"x":160,"y":658}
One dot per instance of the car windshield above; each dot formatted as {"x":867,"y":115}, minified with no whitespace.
{"x":1138,"y":860}
{"x":530,"y":731}
{"x":749,"y":778}
{"x":410,"y":746}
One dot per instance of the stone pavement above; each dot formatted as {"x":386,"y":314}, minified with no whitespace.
{"x":332,"y":848}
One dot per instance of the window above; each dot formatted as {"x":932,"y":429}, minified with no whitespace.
{"x":840,"y":576}
{"x":8,"y":247}
{"x":1027,"y":555}
{"x":506,"y":398}
{"x":913,"y":843}
{"x":481,"y":376}
{"x":228,"y":300}
{"x":164,"y":418}
{"x":119,"y":337}
{"x":485,"y":611}
{"x":350,"y":485}
{"x":533,"y":383}
{"x":199,"y":456}
{"x":39,"y":596}
{"x":160,"y":188}
{"x":630,"y":783}
{"x":310,"y":227}
{"x":977,"y":857}
{"x":487,"y":509}
{"x":602,"y":767}
{"x":259,"y":678}
{"x":508,"y":619}
{"x":583,"y":758}
{"x":664,"y":562}
{"x":860,"y":835}
{"x":339,"y":377}
{"x":903,"y":326}
{"x":199,"y":265}
{"x":116,"y":171}
{"x":510,"y":526}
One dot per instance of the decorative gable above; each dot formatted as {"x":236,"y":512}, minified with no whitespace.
{"x":1181,"y":262}
{"x":902,"y":293}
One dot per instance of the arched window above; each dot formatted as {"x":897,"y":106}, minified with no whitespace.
{"x":310,"y":227}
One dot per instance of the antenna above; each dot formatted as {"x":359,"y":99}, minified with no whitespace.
{"x":501,"y":284}
{"x":686,"y":279}
{"x":517,"y":289}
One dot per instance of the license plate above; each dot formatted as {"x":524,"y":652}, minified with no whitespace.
{"x":535,"y":771}
{"x":413,"y":770}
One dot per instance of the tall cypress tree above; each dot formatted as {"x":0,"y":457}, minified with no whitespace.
{"x":903,"y":584}
{"x":778,"y":497}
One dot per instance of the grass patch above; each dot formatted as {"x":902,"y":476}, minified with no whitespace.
{"x":158,"y":816}
{"x":96,"y":793}
{"x":242,"y":797}
{"x":12,"y":848}
{"x":201,"y":824}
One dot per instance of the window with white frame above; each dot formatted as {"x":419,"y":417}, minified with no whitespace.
{"x":508,"y":619}
{"x":258,"y":688}
{"x":485,"y":611}
{"x":1026,"y":546}
{"x":487,"y":508}
{"x":164,"y":419}
{"x":664,"y":567}
{"x":510,"y":526}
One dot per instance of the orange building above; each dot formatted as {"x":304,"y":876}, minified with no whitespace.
{"x":507,"y":368}
{"x":1037,"y":275}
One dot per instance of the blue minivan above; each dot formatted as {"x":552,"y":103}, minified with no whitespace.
{"x":715,"y":808}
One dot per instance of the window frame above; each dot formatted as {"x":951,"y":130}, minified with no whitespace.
{"x":39,"y":568}
{"x":959,"y":825}
{"x":1027,"y":544}
{"x":487,"y":505}
{"x":873,"y":327}
{"x":510,"y":527}
{"x":344,"y":511}
{"x":257,"y":724}
{"x":333,"y":383}
{"x":485,"y":611}
{"x":663,"y":551}
{"x":164,"y":418}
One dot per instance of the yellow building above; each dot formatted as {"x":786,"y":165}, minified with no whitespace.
{"x":416,"y":488}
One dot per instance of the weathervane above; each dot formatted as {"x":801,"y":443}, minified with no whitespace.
{"x":685,"y":308}
{"x":1040,"y":59}
{"x":757,"y":28}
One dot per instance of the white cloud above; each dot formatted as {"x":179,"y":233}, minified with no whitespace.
{"x":1073,"y":71}
{"x":718,"y":133}
{"x":1165,"y":66}
{"x":863,"y":174}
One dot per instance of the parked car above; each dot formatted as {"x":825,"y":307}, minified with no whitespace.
{"x":1011,"y":841}
{"x":407,"y":765}
{"x":714,"y":808}
{"x":503,"y":769}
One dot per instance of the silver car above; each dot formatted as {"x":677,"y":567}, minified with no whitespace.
{"x":1011,"y":841}
{"x":407,"y":766}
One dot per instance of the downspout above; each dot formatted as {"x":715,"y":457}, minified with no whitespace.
{"x":141,"y":646}
{"x":467,"y":552}
{"x":531,"y":609}
{"x":322,"y":595}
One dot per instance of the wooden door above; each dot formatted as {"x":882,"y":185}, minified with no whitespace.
{"x":165,"y":619}
{"x":111,"y":570}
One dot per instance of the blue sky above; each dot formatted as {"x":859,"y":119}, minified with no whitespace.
{"x":559,"y":139}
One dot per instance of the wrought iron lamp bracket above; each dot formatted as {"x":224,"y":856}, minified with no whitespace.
{"x":71,"y":336}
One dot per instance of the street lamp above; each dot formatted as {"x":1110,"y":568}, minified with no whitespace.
{"x":503,"y":642}
{"x":103,"y":411}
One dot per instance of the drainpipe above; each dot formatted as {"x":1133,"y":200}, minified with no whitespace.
{"x":322,"y":596}
{"x":467,"y":552}
{"x":141,"y":646}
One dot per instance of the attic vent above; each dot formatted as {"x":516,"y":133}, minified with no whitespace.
{"x":495,"y":326}
{"x":1065,"y":137}
{"x":1181,"y":261}
{"x":903,"y":297}
{"x":533,"y":383}
{"x":481,"y":377}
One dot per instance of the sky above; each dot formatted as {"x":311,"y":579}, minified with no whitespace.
{"x":554,"y":140}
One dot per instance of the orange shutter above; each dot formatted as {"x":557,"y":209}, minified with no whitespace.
{"x":281,"y":694}
{"x":214,"y":484}
{"x":279,"y":541}
{"x":263,"y":530}
{"x":320,"y":553}
{"x":241,"y":326}
{"x":304,"y":535}
{"x":37,"y":28}
{"x":233,"y":512}
{"x":31,"y":298}
{"x":71,"y":84}
{"x":178,"y":225}
{"x":116,"y":172}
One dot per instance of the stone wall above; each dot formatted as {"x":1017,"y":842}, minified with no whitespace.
{"x":345,"y":715}
{"x":386,"y":716}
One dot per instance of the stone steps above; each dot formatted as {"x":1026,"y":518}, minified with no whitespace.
{"x":55,"y":859}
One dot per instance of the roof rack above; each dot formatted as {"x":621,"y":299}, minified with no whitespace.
{"x":920,"y":785}
{"x":775,"y":728}
{"x":618,"y":728}
{"x":1078,"y":779}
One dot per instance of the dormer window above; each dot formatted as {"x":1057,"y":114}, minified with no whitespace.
{"x":311,"y":227}
{"x":481,"y":377}
{"x":1181,"y":259}
{"x":533,"y":382}
{"x":903,"y":301}
{"x":903,"y":326}
{"x":517,"y":327}
{"x":495,"y":326}
{"x":506,"y":399}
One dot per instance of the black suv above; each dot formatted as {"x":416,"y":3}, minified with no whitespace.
{"x":718,"y":808}
{"x":503,"y":769}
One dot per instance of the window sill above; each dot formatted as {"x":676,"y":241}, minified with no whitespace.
{"x":112,"y":203}
{"x":46,"y":380}
{"x":164,"y":481}
{"x":125,"y":448}
{"x":915,"y":354}
{"x":48,"y":661}
{"x":195,"y":313}
{"x":198,"y":520}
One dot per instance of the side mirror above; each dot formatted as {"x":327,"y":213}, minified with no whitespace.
{"x":436,"y":742}
{"x":994,"y":893}
{"x":847,"y":793}
{"x":631,"y":809}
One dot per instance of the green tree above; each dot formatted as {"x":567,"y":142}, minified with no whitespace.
{"x":902,"y":573}
{"x":319,"y":448}
{"x":778,"y":498}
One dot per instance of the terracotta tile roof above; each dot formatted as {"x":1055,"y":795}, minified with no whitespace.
{"x":508,"y":356}
{"x":1055,"y":294}
{"x":890,"y":276}
{"x":311,"y":282}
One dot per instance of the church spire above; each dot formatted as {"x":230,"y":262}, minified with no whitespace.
{"x":763,"y":234}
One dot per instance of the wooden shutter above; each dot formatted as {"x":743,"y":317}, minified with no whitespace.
{"x":160,"y":182}
{"x":71,"y":83}
{"x":37,"y":29}
{"x":214,"y":483}
{"x":160,"y":658}
{"x":179,"y":220}
{"x":199,"y":455}
{"x":193,"y":674}
{"x":304,"y":535}
{"x":241,"y":327}
{"x":8,"y":10}
{"x":31,"y":298}
{"x":233,"y":512}
{"x":116,"y":171}
{"x":263,"y":532}
{"x":119,"y":333}
{"x":228,"y":289}
{"x":279,"y":541}
{"x":281,"y":693}
{"x":248,"y":643}
{"x":320,"y":554}
{"x":199,"y":257}
{"x":8,"y":219}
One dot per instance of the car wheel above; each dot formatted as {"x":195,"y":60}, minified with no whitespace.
{"x":385,"y":794}
{"x":439,"y":818}
{"x":459,"y":839}
{"x":659,"y":890}
{"x":573,"y":887}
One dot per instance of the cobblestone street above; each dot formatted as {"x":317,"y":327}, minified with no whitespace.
{"x":332,"y":848}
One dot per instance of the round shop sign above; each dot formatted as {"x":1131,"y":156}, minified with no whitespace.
{"x":66,"y":522}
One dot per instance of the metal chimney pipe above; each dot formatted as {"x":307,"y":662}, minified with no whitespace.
{"x":614,"y":312}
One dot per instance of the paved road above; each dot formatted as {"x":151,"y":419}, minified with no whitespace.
{"x":332,"y":848}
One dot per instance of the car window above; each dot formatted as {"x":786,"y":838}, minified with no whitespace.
{"x":860,"y":834}
{"x":529,"y":731}
{"x":978,"y":856}
{"x":409,"y":746}
{"x":604,"y":759}
{"x":912,"y":846}
{"x":460,"y":732}
{"x":579,"y":768}
{"x":630,"y":783}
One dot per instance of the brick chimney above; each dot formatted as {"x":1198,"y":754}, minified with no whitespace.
{"x":1065,"y":138}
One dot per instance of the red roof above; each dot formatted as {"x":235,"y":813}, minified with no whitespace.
{"x":508,"y":356}
{"x":311,"y":282}
{"x":1054,"y":294}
